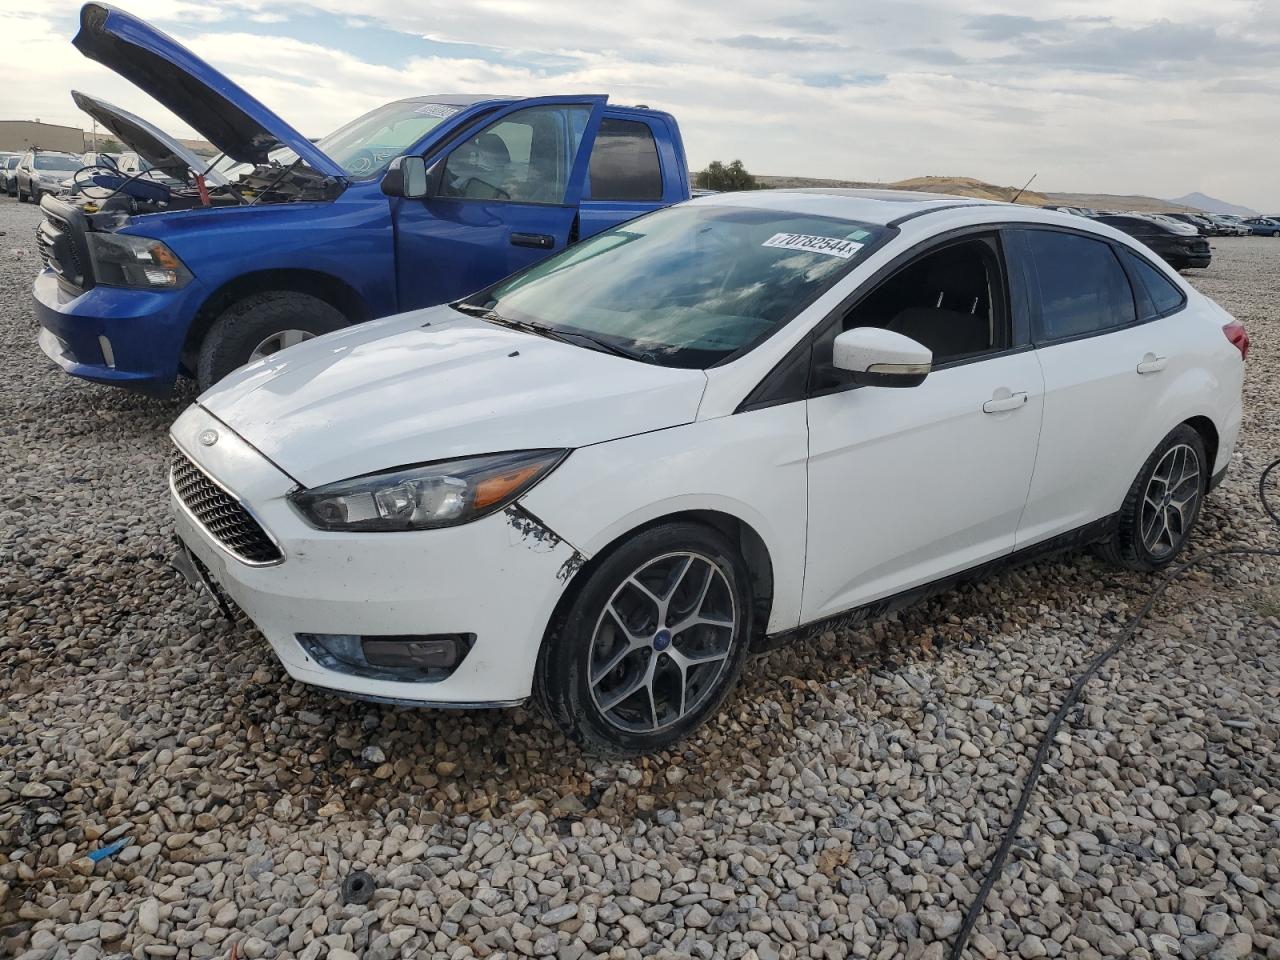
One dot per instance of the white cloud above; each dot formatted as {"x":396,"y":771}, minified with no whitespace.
{"x":1157,"y":96}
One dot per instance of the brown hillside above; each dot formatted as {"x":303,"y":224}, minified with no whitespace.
{"x":972,"y":187}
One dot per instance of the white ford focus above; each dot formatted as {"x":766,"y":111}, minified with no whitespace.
{"x":606,"y":480}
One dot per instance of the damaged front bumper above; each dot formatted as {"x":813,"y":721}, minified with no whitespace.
{"x":497,"y":579}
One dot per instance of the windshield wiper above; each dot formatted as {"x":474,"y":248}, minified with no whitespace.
{"x":551,"y":333}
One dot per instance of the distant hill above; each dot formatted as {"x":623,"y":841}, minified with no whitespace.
{"x":1214,"y":205}
{"x":972,"y":187}
{"x":1121,"y":202}
{"x":957,"y":186}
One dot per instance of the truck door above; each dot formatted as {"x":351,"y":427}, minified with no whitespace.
{"x":502,"y":197}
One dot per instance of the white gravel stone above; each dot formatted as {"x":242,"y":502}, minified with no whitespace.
{"x":842,"y":804}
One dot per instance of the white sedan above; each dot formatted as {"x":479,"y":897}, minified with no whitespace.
{"x":606,"y":480}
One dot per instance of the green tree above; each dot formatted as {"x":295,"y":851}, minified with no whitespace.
{"x":718,"y":176}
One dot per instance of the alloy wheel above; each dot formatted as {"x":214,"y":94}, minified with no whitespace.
{"x":278,"y":341}
{"x":1169,"y":503}
{"x":662,"y":641}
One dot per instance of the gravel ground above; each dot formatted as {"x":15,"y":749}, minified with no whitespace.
{"x":842,"y":805}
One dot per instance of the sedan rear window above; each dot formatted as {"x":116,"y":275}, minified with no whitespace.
{"x":686,"y":286}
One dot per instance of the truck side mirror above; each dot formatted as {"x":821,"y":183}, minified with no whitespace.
{"x":406,"y":177}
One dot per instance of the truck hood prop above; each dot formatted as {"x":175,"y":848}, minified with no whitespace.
{"x":162,"y":151}
{"x":224,"y":114}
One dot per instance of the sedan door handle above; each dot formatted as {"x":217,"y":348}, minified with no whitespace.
{"x":1152,"y":364}
{"x":541,"y":241}
{"x":1003,"y":401}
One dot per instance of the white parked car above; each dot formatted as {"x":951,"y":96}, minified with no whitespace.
{"x":607,"y":479}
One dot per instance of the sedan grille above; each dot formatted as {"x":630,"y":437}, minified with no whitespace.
{"x":221,"y":515}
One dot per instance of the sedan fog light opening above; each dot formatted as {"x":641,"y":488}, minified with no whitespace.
{"x":405,"y":657}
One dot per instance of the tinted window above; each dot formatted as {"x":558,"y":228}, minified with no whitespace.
{"x":1082,"y":287}
{"x":1164,"y":294}
{"x":624,"y":163}
{"x":524,"y":157}
{"x":686,"y":286}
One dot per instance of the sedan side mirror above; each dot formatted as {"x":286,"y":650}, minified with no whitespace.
{"x":881,"y":358}
{"x":406,"y":177}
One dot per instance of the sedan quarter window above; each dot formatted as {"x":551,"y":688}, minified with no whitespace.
{"x":1163,"y":294}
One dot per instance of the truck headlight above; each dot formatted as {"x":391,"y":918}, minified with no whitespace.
{"x":123,"y":260}
{"x":440,"y":494}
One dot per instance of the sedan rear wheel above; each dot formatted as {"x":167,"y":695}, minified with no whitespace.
{"x":652,"y":643}
{"x":1163,"y":504}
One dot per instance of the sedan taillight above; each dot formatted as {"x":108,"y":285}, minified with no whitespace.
{"x":1238,"y":336}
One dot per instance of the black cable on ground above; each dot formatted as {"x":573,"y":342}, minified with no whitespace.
{"x":1073,"y":695}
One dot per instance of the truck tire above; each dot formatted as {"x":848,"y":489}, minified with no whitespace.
{"x":255,"y":323}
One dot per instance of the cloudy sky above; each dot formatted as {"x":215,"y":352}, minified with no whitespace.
{"x":1163,"y":98}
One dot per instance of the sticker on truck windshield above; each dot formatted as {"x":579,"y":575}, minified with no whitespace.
{"x":436,"y":110}
{"x":831,"y":246}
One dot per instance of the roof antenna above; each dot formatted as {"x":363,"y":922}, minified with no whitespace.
{"x":1024,"y":187}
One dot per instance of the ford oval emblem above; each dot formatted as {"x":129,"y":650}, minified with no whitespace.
{"x":209,"y":437}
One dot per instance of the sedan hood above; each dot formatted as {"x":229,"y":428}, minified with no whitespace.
{"x":224,"y":114}
{"x":436,"y":384}
{"x":162,"y":151}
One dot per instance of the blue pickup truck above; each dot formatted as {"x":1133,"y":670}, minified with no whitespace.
{"x":417,"y":202}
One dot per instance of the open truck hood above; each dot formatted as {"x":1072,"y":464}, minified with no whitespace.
{"x":162,"y":151}
{"x":236,"y":123}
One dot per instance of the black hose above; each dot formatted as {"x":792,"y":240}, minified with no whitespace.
{"x":1046,"y":742}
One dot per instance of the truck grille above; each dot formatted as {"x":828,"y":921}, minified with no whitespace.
{"x":223,"y":516}
{"x":58,"y":250}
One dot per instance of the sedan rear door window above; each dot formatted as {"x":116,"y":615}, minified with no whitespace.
{"x":1082,"y":289}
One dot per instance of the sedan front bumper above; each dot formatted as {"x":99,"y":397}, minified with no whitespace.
{"x":493,"y":578}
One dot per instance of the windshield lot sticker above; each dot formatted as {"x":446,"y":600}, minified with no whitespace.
{"x":831,"y":246}
{"x":436,"y":110}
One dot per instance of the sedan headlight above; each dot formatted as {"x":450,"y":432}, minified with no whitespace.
{"x":122,"y":260}
{"x":440,"y":494}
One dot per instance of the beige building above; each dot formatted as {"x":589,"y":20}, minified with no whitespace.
{"x":19,"y":135}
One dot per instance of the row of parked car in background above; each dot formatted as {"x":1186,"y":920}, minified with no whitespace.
{"x":1180,"y":238}
{"x":31,"y":175}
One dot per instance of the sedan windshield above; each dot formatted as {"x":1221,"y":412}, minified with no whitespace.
{"x":684,"y":287}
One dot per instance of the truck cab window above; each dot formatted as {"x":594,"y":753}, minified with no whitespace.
{"x":624,"y":162}
{"x":525,"y":157}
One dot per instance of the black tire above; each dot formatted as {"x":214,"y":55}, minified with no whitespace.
{"x":1127,"y":546}
{"x":562,"y":677}
{"x":21,"y":196}
{"x":248,"y":322}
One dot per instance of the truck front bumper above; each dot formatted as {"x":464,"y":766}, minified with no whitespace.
{"x":117,"y":336}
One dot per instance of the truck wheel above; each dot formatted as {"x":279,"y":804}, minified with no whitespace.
{"x":260,"y":325}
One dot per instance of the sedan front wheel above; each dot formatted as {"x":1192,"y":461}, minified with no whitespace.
{"x":652,"y":643}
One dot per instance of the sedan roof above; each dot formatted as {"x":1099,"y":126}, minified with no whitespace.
{"x":866,"y":206}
